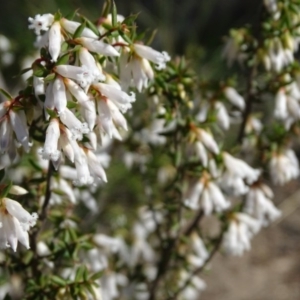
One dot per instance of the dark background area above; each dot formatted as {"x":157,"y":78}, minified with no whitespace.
{"x":194,"y":28}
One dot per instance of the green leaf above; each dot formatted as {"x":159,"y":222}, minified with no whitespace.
{"x":125,"y":37}
{"x":58,"y":280}
{"x":106,"y":8}
{"x":49,"y":77}
{"x":90,"y":289}
{"x":57,"y":16}
{"x":130,"y":19}
{"x":64,"y":59}
{"x":5,"y":190}
{"x":71,"y":16}
{"x":151,"y":38}
{"x":79,"y":273}
{"x":96,"y":276}
{"x":27,"y":257}
{"x":64,"y":47}
{"x":75,"y":49}
{"x":79,"y":30}
{"x":51,"y":113}
{"x":39,"y":71}
{"x":114,"y":14}
{"x":71,"y":104}
{"x":2,"y":174}
{"x":90,"y":25}
{"x":6,"y":94}
{"x":58,"y":192}
{"x":25,"y":71}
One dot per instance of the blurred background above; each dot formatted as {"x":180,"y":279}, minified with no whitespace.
{"x":194,"y":28}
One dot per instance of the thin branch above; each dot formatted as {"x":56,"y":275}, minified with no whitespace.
{"x":48,"y":191}
{"x":249,"y":102}
{"x":189,"y":229}
{"x":200,"y":269}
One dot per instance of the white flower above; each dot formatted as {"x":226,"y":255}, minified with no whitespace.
{"x":195,"y":287}
{"x":236,"y":172}
{"x":50,"y":150}
{"x":158,"y":58}
{"x":201,"y":153}
{"x":39,"y":86}
{"x":111,"y":244}
{"x":88,"y":61}
{"x":234,"y":97}
{"x":15,"y":222}
{"x":77,"y":92}
{"x":82,"y":169}
{"x":97,"y":46}
{"x":259,"y":204}
{"x":239,"y":233}
{"x":81,"y":74}
{"x":136,"y":70}
{"x":200,"y":253}
{"x":17,"y":190}
{"x":55,"y":40}
{"x":121,"y":99}
{"x":5,"y":44}
{"x":222,"y":115}
{"x":59,"y":94}
{"x":284,"y":166}
{"x":271,"y":6}
{"x":95,"y":166}
{"x":109,"y":285}
{"x":76,"y":127}
{"x":6,"y":135}
{"x":207,"y":140}
{"x":207,"y":195}
{"x":71,"y":26}
{"x":40,"y":22}
{"x":19,"y":125}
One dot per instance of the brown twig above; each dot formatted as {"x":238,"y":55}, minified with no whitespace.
{"x":199,"y":269}
{"x":249,"y":102}
{"x":48,"y":192}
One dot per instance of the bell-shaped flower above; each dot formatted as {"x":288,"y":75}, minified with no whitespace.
{"x":88,"y":61}
{"x":283,"y":166}
{"x":83,"y":174}
{"x":195,"y":287}
{"x":55,"y":40}
{"x":39,"y":86}
{"x":50,"y":150}
{"x":158,"y":58}
{"x":258,"y":203}
{"x":223,"y":119}
{"x":135,"y":71}
{"x":59,"y":94}
{"x":110,"y":116}
{"x":15,"y":223}
{"x":76,"y":127}
{"x":97,"y":46}
{"x":236,"y":174}
{"x":205,"y":194}
{"x":95,"y":167}
{"x":121,"y":99}
{"x":240,"y":231}
{"x":19,"y":125}
{"x":207,"y":140}
{"x":234,"y":97}
{"x":71,"y":27}
{"x":80,"y":74}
